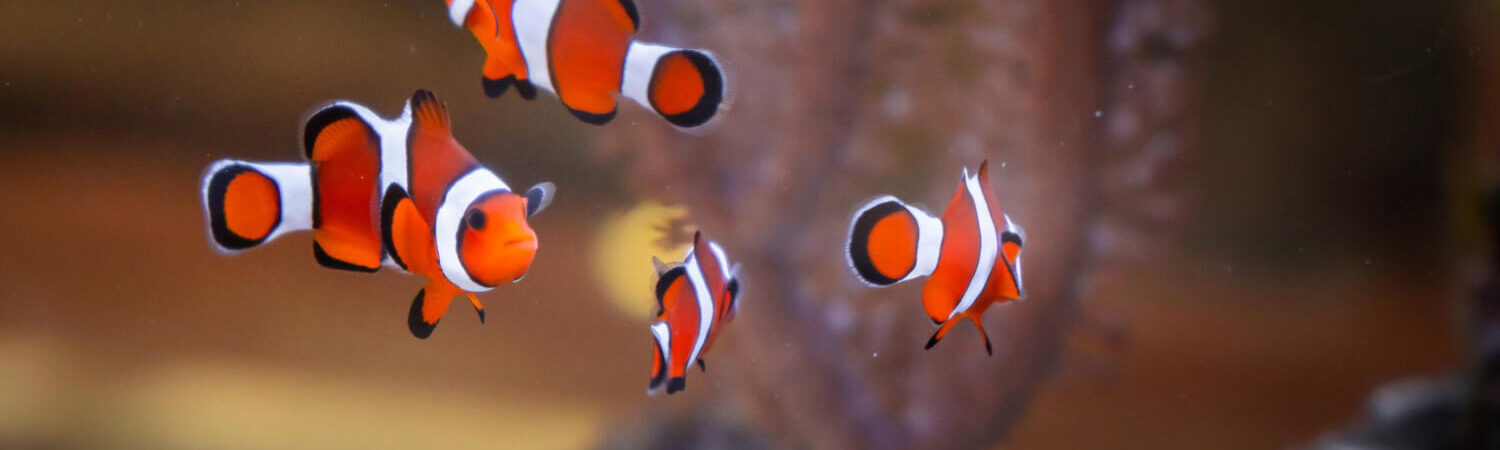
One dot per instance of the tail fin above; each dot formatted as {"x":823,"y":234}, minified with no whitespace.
{"x":890,"y":242}
{"x":942,"y":332}
{"x":684,"y":86}
{"x":249,"y":204}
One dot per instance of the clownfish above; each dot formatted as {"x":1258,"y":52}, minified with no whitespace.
{"x":694,"y":300}
{"x":972,"y":254}
{"x":400,"y":193}
{"x":584,"y":51}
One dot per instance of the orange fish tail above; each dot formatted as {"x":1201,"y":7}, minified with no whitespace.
{"x":684,"y":86}
{"x":249,"y":204}
{"x":890,"y":242}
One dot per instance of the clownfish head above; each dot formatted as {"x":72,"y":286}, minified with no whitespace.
{"x":495,"y":242}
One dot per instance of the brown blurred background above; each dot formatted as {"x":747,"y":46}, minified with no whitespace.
{"x":1318,"y":240}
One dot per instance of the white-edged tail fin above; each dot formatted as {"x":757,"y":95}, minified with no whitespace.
{"x":890,"y":242}
{"x":684,"y":86}
{"x":248,"y":204}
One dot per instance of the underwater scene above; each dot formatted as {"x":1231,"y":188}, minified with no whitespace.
{"x":728,"y":224}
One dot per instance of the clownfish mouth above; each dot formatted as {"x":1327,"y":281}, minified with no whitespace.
{"x":524,"y":241}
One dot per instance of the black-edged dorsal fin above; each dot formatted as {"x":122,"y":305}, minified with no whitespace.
{"x":320,"y":119}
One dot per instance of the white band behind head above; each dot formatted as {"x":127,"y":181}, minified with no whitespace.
{"x":987,"y":245}
{"x":705,"y":305}
{"x":450,"y":216}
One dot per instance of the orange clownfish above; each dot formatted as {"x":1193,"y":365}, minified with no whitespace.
{"x":972,"y":254}
{"x":583,"y":50}
{"x":694,"y":300}
{"x":400,"y":193}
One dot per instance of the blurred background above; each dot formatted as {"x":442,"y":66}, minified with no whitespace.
{"x":1251,"y":225}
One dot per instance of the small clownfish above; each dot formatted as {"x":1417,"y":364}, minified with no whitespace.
{"x":400,"y":193}
{"x":584,"y":51}
{"x":694,"y":300}
{"x":973,"y":262}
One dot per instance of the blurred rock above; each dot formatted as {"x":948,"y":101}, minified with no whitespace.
{"x":837,"y":101}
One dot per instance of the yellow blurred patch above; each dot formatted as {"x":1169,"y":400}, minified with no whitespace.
{"x":623,"y":251}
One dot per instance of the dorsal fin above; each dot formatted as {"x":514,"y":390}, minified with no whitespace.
{"x":320,"y":119}
{"x":429,"y":113}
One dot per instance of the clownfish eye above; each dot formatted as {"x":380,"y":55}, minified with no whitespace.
{"x":476,"y":219}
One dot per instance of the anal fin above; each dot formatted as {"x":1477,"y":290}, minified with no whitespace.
{"x":986,"y":336}
{"x":526,"y":89}
{"x":941,"y":332}
{"x":948,"y":326}
{"x":478,"y":307}
{"x":496,"y":87}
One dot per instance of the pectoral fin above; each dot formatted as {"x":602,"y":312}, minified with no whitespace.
{"x":478,"y":307}
{"x":408,"y":238}
{"x":425,"y":313}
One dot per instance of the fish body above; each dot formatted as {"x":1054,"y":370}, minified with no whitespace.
{"x":695,"y":299}
{"x":584,"y":51}
{"x":971,"y":255}
{"x":398,"y":193}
